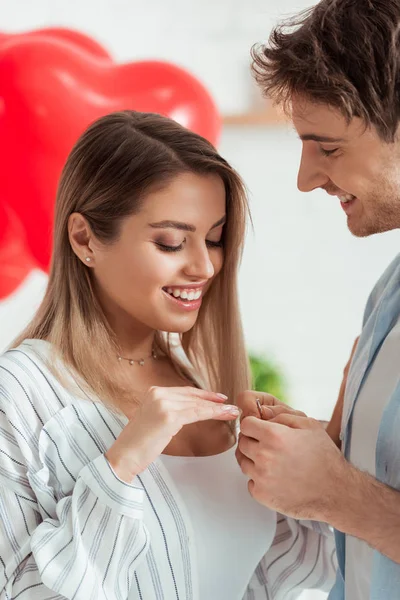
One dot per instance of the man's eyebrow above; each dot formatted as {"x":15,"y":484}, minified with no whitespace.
{"x":312,"y":137}
{"x":182,"y":226}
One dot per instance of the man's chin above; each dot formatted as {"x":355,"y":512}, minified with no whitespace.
{"x":361,"y":233}
{"x":360,"y":229}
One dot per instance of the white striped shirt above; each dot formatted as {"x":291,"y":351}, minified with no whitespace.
{"x":72,"y":529}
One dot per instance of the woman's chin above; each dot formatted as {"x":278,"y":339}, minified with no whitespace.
{"x":183,"y":326}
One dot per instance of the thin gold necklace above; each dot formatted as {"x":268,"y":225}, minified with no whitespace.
{"x":139,"y":361}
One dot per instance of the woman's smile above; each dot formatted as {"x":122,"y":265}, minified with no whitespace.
{"x":186,"y":297}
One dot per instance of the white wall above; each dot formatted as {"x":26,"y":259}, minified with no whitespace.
{"x":212,"y":38}
{"x":304,"y":279}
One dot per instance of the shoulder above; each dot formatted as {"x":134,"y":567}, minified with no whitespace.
{"x":28,"y":388}
{"x":390,"y":278}
{"x":45,"y":419}
{"x":391,"y":272}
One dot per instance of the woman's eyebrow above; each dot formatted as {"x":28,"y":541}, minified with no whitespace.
{"x":182,"y":226}
{"x":173,"y":225}
{"x":222,"y":221}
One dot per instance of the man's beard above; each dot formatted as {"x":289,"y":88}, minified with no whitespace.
{"x":377,"y":215}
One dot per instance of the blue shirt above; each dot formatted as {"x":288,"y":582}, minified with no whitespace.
{"x":381,"y":314}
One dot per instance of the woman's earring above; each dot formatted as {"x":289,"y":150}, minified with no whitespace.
{"x":88,"y":259}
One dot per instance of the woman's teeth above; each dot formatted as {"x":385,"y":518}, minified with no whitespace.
{"x":184,"y":294}
{"x":346,"y":198}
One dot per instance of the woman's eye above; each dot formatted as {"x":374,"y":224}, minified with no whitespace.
{"x":328,"y":152}
{"x":211,"y":244}
{"x":166,"y":248}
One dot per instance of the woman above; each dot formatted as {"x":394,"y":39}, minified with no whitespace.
{"x":118,"y":472}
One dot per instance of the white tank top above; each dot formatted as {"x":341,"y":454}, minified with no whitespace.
{"x":232,"y":531}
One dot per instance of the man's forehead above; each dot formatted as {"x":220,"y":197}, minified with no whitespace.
{"x":319,"y":121}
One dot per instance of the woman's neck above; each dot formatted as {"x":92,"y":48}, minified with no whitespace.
{"x":135,"y":340}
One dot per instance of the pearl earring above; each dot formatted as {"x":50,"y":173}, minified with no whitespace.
{"x":88,"y":259}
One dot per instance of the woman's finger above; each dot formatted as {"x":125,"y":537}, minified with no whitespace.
{"x":203,"y":410}
{"x":188,"y":391}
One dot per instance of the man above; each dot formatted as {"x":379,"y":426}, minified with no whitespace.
{"x":336,"y":70}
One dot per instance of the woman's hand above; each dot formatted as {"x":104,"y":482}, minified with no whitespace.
{"x":161,"y":416}
{"x":334,"y":426}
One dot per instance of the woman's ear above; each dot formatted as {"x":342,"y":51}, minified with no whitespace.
{"x":81,"y":238}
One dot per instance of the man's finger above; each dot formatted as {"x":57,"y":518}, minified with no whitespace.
{"x":248,"y":447}
{"x":239,"y":457}
{"x":256,"y":428}
{"x":238,"y":454}
{"x":274,"y":411}
{"x":296,"y":421}
{"x":267,"y":413}
{"x":247,"y":402}
{"x":268,"y":399}
{"x":247,"y":467}
{"x":250,"y":487}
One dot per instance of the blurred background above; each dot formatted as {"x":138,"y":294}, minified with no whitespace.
{"x":304,"y":279}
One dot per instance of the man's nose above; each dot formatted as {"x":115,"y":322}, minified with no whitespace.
{"x":311,"y":175}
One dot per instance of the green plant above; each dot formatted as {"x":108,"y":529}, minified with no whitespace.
{"x":267,"y":377}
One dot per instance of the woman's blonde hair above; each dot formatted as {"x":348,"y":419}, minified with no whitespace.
{"x":114,"y":164}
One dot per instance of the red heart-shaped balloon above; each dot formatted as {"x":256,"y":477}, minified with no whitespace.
{"x":69,"y":36}
{"x":16,"y":261}
{"x":50,"y":90}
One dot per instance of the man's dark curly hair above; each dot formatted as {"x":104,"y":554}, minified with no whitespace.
{"x":345,"y":53}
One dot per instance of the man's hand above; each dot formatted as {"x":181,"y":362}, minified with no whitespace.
{"x":292,"y":464}
{"x":271,"y":407}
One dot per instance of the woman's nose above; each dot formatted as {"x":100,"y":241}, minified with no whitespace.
{"x":199,"y":264}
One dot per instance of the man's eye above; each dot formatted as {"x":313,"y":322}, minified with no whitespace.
{"x":328,"y":152}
